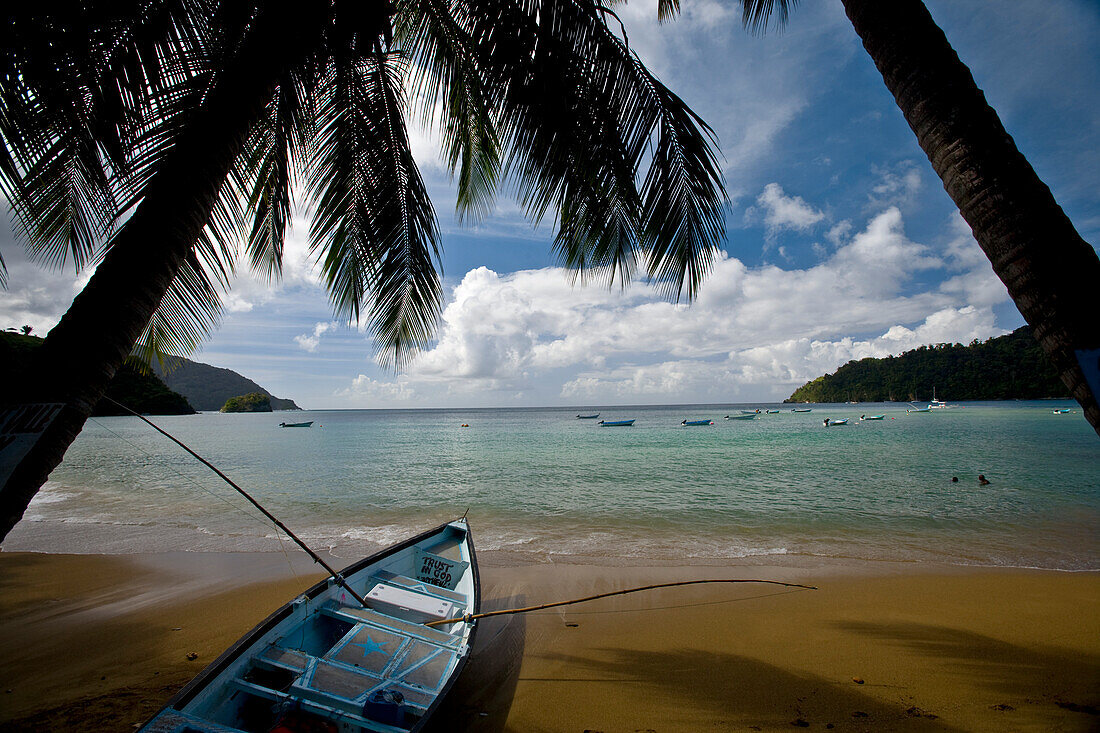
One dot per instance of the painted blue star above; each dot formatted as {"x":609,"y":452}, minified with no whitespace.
{"x":370,"y":645}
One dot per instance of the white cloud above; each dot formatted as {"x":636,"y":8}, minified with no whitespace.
{"x":786,"y":212}
{"x":366,"y":391}
{"x":752,"y":331}
{"x":896,"y":186}
{"x":773,"y":370}
{"x":839,"y":232}
{"x":975,"y":282}
{"x":310,"y":341}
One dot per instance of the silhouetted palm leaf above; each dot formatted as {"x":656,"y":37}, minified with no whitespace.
{"x":374,"y":228}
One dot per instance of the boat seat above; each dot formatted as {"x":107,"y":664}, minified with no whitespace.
{"x":320,"y":705}
{"x":281,"y":658}
{"x":381,"y":620}
{"x":419,"y":586}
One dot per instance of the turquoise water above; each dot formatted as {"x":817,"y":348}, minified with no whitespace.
{"x":542,"y":483}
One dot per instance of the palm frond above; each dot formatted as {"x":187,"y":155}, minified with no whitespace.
{"x":274,"y":158}
{"x":188,"y":313}
{"x":77,"y":85}
{"x":755,"y":14}
{"x":583,"y":122}
{"x":667,"y":10}
{"x":682,"y":215}
{"x":373,"y":230}
{"x":450,"y":86}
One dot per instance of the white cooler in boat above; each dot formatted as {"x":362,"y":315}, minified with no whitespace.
{"x":408,"y":605}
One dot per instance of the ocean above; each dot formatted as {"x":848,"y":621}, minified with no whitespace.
{"x":543,"y":486}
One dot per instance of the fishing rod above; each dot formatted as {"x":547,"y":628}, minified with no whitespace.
{"x":316,"y":558}
{"x":527,"y":609}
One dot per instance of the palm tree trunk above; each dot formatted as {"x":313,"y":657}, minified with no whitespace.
{"x":1050,"y":271}
{"x":82,"y":353}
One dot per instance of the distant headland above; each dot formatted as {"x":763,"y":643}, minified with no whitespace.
{"x":209,"y":387}
{"x":1010,"y":367}
{"x":181,"y":387}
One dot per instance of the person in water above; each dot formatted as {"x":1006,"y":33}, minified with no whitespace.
{"x":954,"y":479}
{"x":982,"y":480}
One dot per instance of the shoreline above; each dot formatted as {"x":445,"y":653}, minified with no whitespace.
{"x":509,"y":558}
{"x":121,"y":540}
{"x":99,"y":642}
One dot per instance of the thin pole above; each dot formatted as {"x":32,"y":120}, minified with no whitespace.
{"x":528,"y":609}
{"x":316,"y":558}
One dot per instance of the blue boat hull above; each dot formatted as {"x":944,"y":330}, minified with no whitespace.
{"x":322,"y":659}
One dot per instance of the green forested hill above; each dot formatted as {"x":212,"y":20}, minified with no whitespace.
{"x":254,"y":402}
{"x":208,"y":387}
{"x":1010,"y":367}
{"x":143,"y":393}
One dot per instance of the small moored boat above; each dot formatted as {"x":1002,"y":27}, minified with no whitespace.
{"x":588,"y":417}
{"x":616,"y":423}
{"x":1063,"y":411}
{"x":689,"y":423}
{"x":750,"y":412}
{"x":937,"y":404}
{"x":772,"y":412}
{"x":829,"y":422}
{"x":295,"y":424}
{"x":324,"y":662}
{"x":919,"y":409}
{"x":801,"y":409}
{"x":749,"y":416}
{"x":872,"y":417}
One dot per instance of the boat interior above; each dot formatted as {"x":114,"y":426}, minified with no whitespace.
{"x":332,"y":665}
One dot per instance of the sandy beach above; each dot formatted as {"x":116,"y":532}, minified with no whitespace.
{"x":98,"y":643}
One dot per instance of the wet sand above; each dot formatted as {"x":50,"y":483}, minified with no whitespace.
{"x":99,"y":643}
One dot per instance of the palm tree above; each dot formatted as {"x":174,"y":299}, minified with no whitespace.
{"x":1050,"y":270}
{"x":153,"y":135}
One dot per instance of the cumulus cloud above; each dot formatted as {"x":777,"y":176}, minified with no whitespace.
{"x":751,"y":331}
{"x":781,"y":211}
{"x":310,"y":341}
{"x":839,"y":232}
{"x":975,"y":282}
{"x":367,"y":391}
{"x":771,"y":371}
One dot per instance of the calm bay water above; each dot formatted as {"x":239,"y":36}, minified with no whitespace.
{"x":542,"y":483}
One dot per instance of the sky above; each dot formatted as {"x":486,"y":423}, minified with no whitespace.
{"x":840,"y":243}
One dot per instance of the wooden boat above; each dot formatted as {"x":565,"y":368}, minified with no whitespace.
{"x":295,"y":424}
{"x":616,"y":423}
{"x":873,"y":417}
{"x":690,"y":423}
{"x":588,"y":417}
{"x":829,"y":422}
{"x":1062,"y":411}
{"x":919,"y":409}
{"x":771,"y":412}
{"x":801,"y":409}
{"x":323,"y":662}
{"x":750,"y":412}
{"x":749,"y":416}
